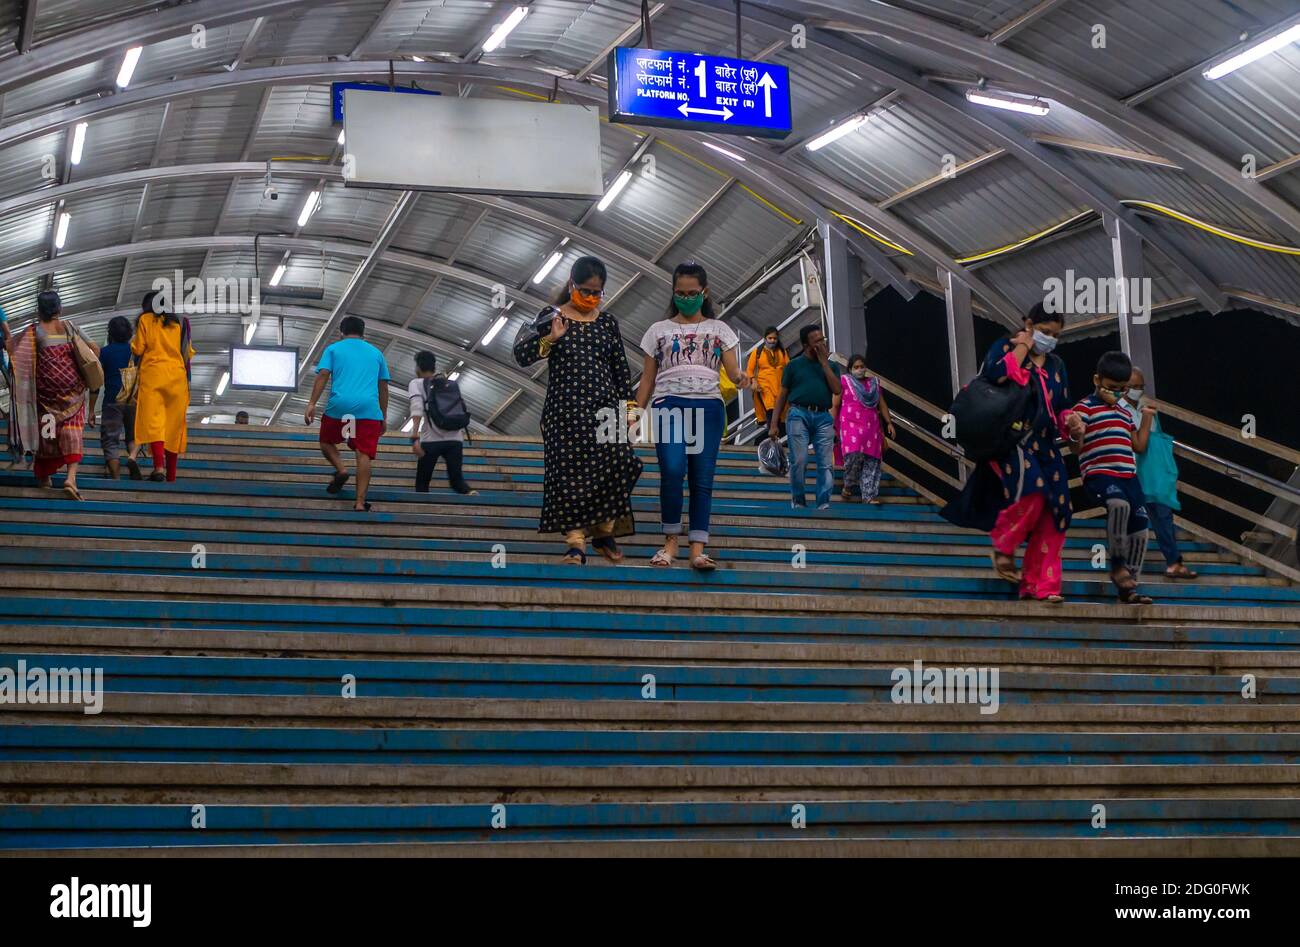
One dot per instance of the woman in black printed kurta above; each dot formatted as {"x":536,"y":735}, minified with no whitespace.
{"x":588,"y":480}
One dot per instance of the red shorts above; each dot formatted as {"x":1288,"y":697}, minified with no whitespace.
{"x":366,"y":431}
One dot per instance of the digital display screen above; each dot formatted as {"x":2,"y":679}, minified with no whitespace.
{"x":263,"y":368}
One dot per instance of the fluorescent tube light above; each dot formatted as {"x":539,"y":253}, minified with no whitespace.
{"x":620,"y":182}
{"x":549,"y":265}
{"x":78,"y":141}
{"x":730,"y":154}
{"x":492,"y":332}
{"x":129,"y":62}
{"x":1012,"y":103}
{"x":1258,"y":51}
{"x":838,"y":132}
{"x":498,"y":35}
{"x":308,"y":208}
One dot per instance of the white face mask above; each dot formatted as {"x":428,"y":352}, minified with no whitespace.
{"x":859,"y":373}
{"x":1135,"y":396}
{"x":1043,"y":343}
{"x":769,"y":343}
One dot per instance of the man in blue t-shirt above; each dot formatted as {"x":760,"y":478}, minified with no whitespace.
{"x":117,"y":421}
{"x":358,"y":404}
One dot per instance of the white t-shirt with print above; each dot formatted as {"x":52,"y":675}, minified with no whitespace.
{"x":689,"y":356}
{"x":430,"y":433}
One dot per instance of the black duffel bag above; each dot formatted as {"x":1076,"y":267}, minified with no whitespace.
{"x":992,"y":418}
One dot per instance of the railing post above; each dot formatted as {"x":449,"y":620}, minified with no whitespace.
{"x":1134,"y":326}
{"x":846,"y":326}
{"x":962,"y":360}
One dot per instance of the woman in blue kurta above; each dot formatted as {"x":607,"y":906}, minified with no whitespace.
{"x":1024,"y":495}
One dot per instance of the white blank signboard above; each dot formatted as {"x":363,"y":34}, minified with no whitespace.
{"x":474,"y":146}
{"x":273,"y":368}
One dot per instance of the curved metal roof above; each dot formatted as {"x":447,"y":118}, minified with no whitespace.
{"x":172,"y":176}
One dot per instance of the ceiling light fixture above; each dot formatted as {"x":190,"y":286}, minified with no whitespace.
{"x":1258,"y":51}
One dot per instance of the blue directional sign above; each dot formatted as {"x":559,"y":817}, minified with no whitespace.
{"x":338,"y":88}
{"x":707,"y":93}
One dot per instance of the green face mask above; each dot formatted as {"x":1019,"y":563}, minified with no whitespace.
{"x":689,"y":306}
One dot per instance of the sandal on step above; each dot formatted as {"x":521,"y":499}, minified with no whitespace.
{"x":606,"y":546}
{"x":1006,"y":572}
{"x":134,"y":469}
{"x":574,"y":557}
{"x":364,"y":509}
{"x":661,"y":558}
{"x":71,"y":492}
{"x":1053,"y":599}
{"x":1127,"y":588}
{"x":1179,"y":570}
{"x":703,"y":563}
{"x":336,"y":484}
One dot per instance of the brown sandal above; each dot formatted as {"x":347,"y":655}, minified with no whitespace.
{"x":1005,"y":571}
{"x":1179,"y":570}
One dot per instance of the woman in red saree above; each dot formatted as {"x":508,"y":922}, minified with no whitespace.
{"x":49,"y":395}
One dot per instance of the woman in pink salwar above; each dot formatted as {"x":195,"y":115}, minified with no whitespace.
{"x":862,"y":423}
{"x":1023,"y":497}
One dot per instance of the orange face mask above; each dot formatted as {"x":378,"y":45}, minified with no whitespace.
{"x":582,"y":302}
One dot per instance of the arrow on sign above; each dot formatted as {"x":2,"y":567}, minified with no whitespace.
{"x":768,"y":84}
{"x":725,"y":112}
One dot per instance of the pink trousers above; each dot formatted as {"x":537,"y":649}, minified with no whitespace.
{"x":1029,"y":520}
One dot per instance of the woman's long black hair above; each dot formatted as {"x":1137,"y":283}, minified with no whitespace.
{"x":693,"y":269}
{"x":584,"y":268}
{"x":150,"y":299}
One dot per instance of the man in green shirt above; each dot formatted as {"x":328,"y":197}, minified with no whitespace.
{"x":810,"y":385}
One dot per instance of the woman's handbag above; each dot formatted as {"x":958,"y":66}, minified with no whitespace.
{"x":130,"y":384}
{"x":88,"y":366}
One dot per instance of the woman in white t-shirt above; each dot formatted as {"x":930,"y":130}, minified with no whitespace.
{"x":684,"y":355}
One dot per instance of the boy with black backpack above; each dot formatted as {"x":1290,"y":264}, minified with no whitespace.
{"x":438,"y":422}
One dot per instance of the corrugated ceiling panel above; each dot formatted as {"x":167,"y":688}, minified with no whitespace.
{"x":1145,"y":42}
{"x":30,"y":165}
{"x":992,"y":206}
{"x":899,"y":147}
{"x":25,"y":237}
{"x":182,"y":208}
{"x":328,"y":28}
{"x":658,"y":200}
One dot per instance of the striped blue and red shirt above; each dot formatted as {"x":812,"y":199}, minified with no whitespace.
{"x":1107,"y":439}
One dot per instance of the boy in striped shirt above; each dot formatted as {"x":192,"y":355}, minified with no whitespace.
{"x":1109,"y":465}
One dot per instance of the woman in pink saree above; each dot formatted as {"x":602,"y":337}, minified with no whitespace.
{"x":49,"y":395}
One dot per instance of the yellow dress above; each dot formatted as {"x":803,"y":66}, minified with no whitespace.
{"x":164,"y":391}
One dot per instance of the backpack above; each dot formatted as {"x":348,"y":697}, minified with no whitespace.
{"x":443,"y":404}
{"x":992,"y":418}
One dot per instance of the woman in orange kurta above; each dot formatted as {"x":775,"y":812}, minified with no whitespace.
{"x":766,"y":364}
{"x":162,"y":343}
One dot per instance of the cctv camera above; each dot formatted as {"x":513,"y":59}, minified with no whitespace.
{"x":271,"y":193}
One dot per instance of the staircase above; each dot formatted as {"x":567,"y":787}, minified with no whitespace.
{"x":508,"y":704}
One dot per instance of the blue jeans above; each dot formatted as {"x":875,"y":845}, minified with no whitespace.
{"x":1162,"y":521}
{"x":676,"y":463}
{"x":804,"y":427}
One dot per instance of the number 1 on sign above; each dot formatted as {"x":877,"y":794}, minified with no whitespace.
{"x":699,"y":71}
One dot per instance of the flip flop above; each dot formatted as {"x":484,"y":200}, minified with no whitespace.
{"x":606,"y":546}
{"x":1010,"y":574}
{"x":71,"y":492}
{"x":134,"y":469}
{"x":1185,"y":575}
{"x":574,"y":557}
{"x":364,"y":509}
{"x":703,"y":563}
{"x":336,"y":484}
